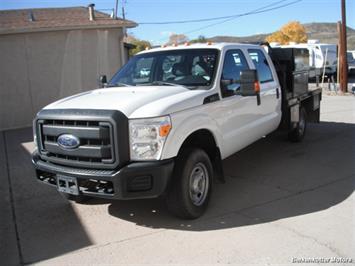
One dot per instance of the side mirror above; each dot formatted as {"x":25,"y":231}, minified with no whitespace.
{"x":248,"y":81}
{"x":102,"y":81}
{"x":249,"y":84}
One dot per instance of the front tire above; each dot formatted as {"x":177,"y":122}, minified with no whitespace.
{"x":190,"y":190}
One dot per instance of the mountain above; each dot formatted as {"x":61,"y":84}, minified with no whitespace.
{"x":324,"y":32}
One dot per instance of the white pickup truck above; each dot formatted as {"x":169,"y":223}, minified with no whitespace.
{"x":163,"y":124}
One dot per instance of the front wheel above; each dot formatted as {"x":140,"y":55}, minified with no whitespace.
{"x":298,"y":133}
{"x":191,"y":185}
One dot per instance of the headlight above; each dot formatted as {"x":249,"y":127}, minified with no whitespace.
{"x":147,"y":137}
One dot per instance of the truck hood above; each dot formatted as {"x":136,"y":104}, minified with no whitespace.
{"x":134,"y":102}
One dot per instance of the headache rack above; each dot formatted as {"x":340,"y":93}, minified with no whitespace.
{"x":293,"y":71}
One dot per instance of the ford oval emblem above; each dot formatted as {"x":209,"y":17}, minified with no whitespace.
{"x":68,"y":141}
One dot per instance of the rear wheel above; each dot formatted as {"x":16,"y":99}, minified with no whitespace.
{"x":298,"y":133}
{"x":191,"y":185}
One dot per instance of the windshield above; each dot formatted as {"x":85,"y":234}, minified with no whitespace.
{"x":193,"y":68}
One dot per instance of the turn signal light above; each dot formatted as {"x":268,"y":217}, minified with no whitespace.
{"x":164,"y":130}
{"x":256,"y":86}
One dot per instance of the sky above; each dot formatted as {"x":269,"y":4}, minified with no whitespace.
{"x":140,"y":11}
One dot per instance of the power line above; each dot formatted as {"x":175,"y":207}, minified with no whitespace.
{"x":209,"y":19}
{"x":266,"y":8}
{"x":254,"y":12}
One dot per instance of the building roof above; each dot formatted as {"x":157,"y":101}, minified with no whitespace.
{"x":53,"y":19}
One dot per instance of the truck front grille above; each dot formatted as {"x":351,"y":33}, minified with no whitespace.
{"x":96,"y":146}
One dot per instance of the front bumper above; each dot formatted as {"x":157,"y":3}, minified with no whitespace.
{"x":134,"y":181}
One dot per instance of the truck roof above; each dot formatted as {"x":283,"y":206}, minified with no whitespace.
{"x":219,"y":46}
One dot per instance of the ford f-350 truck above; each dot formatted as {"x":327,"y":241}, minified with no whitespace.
{"x":163,"y":124}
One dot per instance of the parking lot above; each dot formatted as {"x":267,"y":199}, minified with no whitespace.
{"x":282,"y":202}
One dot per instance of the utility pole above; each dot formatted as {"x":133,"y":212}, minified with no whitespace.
{"x":123,"y":13}
{"x":343,"y":49}
{"x":124,"y":2}
{"x":116,"y":10}
{"x":339,"y":52}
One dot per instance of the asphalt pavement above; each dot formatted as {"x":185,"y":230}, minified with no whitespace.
{"x":282,"y":203}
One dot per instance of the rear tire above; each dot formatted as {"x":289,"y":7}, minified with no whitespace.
{"x":297,"y":134}
{"x":190,"y":189}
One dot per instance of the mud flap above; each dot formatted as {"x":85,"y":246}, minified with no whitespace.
{"x":294,"y":115}
{"x":218,"y":168}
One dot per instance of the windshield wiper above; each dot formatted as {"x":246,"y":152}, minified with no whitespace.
{"x":160,"y":83}
{"x":118,"y":84}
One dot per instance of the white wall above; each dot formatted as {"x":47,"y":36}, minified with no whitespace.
{"x":39,"y":68}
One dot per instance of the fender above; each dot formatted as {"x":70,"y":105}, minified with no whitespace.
{"x":184,"y":124}
{"x":190,"y":126}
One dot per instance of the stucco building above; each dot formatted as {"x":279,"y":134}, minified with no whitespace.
{"x":47,"y":54}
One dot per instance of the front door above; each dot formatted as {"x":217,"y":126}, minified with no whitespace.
{"x":237,"y":116}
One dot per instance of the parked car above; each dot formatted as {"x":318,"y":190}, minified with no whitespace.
{"x":351,"y":62}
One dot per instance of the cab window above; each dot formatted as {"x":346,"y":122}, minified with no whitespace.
{"x":142,"y":70}
{"x":192,"y":68}
{"x":234,"y":62}
{"x":261,"y":65}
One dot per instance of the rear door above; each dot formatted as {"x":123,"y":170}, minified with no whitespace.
{"x":270,"y":91}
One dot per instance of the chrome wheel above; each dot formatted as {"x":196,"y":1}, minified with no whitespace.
{"x":189,"y":194}
{"x":199,"y":184}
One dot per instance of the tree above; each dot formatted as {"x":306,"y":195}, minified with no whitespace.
{"x":177,"y":38}
{"x":290,"y":32}
{"x":140,"y":45}
{"x":200,"y":39}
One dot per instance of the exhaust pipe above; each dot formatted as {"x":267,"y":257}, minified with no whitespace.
{"x":91,"y":12}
